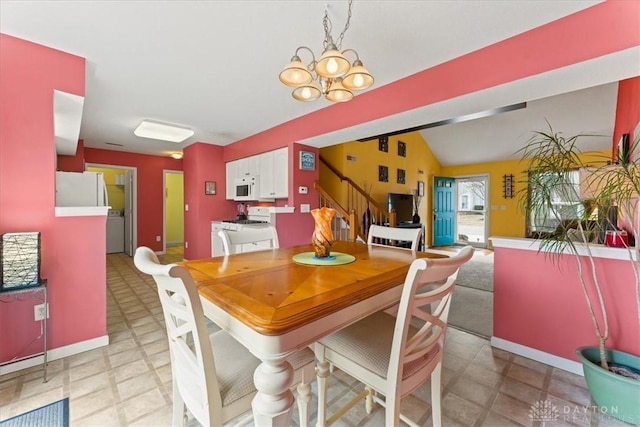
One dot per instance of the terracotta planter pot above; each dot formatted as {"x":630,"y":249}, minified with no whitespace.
{"x":614,"y":394}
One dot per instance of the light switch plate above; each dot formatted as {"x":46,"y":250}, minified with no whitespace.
{"x":305,"y":208}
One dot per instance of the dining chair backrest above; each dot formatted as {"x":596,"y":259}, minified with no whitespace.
{"x":395,"y":355}
{"x":425,"y":300}
{"x":396,"y":234}
{"x":192,"y":361}
{"x":233,"y":241}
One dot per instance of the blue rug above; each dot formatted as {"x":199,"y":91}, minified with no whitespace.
{"x":55,"y":414}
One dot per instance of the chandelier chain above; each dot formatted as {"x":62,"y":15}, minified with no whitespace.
{"x":328,"y":26}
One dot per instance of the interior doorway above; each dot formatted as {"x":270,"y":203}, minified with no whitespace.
{"x":173,"y":216}
{"x":121,"y":189}
{"x":471,"y":210}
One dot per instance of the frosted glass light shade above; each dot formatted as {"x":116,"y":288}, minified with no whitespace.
{"x":162,"y":131}
{"x":306,"y":93}
{"x":358,"y":77}
{"x":295,"y":74}
{"x":332,"y":64}
{"x":337,"y":92}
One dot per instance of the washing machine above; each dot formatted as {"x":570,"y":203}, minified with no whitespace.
{"x":115,"y":232}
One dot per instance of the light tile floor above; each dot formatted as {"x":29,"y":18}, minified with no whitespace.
{"x":128,"y":383}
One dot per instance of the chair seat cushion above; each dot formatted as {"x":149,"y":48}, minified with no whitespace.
{"x":368,"y":342}
{"x":234,"y":367}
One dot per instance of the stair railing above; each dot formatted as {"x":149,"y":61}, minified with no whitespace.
{"x":355,"y":201}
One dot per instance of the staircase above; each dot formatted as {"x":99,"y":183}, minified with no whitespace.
{"x":355,"y":209}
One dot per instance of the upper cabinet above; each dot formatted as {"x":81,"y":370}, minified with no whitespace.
{"x":67,"y":115}
{"x":271,"y":167}
{"x":274,"y":174}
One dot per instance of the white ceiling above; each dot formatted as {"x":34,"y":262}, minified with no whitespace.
{"x":213,"y":66}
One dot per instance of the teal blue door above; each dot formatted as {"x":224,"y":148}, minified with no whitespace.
{"x":444,"y":210}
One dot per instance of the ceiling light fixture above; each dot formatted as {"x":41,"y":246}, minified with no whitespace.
{"x":176,"y":156}
{"x":332,"y":75}
{"x":162,"y":131}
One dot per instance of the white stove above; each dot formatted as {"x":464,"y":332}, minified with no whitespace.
{"x":257,"y":217}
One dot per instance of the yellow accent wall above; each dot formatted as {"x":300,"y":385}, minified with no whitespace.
{"x":115,"y":192}
{"x":506,"y":218}
{"x":419,"y":164}
{"x":175,"y":200}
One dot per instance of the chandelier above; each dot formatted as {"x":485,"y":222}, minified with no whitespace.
{"x":332,"y":75}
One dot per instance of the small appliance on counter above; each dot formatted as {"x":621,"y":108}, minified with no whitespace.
{"x":242,"y":215}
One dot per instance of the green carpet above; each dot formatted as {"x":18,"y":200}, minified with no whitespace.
{"x":55,"y":414}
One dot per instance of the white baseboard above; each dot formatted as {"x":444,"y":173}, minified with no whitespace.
{"x":537,"y":355}
{"x":55,"y":354}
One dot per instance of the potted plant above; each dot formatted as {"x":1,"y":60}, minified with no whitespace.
{"x":553,"y":190}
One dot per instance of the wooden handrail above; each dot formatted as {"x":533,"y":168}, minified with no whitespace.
{"x":353,"y":184}
{"x":360,"y":209}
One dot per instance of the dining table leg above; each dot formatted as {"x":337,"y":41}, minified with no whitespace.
{"x":273,"y":403}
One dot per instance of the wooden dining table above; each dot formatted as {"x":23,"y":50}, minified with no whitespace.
{"x":274,"y":305}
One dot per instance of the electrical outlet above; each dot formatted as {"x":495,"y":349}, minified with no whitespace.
{"x":157,"y":238}
{"x":186,"y":245}
{"x":40,"y":312}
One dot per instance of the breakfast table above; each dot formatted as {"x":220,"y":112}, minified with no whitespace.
{"x":277,"y":301}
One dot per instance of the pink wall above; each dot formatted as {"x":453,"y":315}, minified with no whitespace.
{"x":612,"y":27}
{"x":72,"y":163}
{"x":73,"y":249}
{"x":627,"y":109}
{"x":150,"y":189}
{"x":203,"y":162}
{"x":546,"y":310}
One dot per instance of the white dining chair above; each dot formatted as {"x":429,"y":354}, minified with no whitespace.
{"x":395,"y":234}
{"x":393,"y":356}
{"x":243,"y":240}
{"x":212,"y":373}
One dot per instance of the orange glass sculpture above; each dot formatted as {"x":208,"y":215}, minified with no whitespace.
{"x":322,"y":235}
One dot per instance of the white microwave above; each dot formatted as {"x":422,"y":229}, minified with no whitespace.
{"x":246,"y":188}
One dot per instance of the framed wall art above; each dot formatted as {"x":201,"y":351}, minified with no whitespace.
{"x":209,"y":187}
{"x":401,"y":175}
{"x":402,"y":149}
{"x":307,"y":161}
{"x":383,"y":173}
{"x":383,"y":144}
{"x":421,"y":188}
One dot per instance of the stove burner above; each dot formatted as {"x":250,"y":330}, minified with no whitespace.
{"x":244,"y":221}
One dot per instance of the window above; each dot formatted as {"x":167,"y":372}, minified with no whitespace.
{"x":464,"y":202}
{"x":557,"y":198}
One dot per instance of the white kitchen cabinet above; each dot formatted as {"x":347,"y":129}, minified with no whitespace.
{"x":231,"y":174}
{"x":266,"y":176}
{"x":274,"y":174}
{"x":281,"y":173}
{"x":248,"y":166}
{"x":272,"y":167}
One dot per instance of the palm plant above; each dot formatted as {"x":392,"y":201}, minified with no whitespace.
{"x":553,"y":161}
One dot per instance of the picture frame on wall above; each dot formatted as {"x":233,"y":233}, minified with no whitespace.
{"x":209,"y":187}
{"x":307,"y":160}
{"x":421,"y":188}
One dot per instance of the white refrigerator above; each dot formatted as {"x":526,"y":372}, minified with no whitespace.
{"x":81,"y":189}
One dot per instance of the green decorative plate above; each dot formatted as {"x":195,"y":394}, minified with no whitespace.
{"x":336,"y":258}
